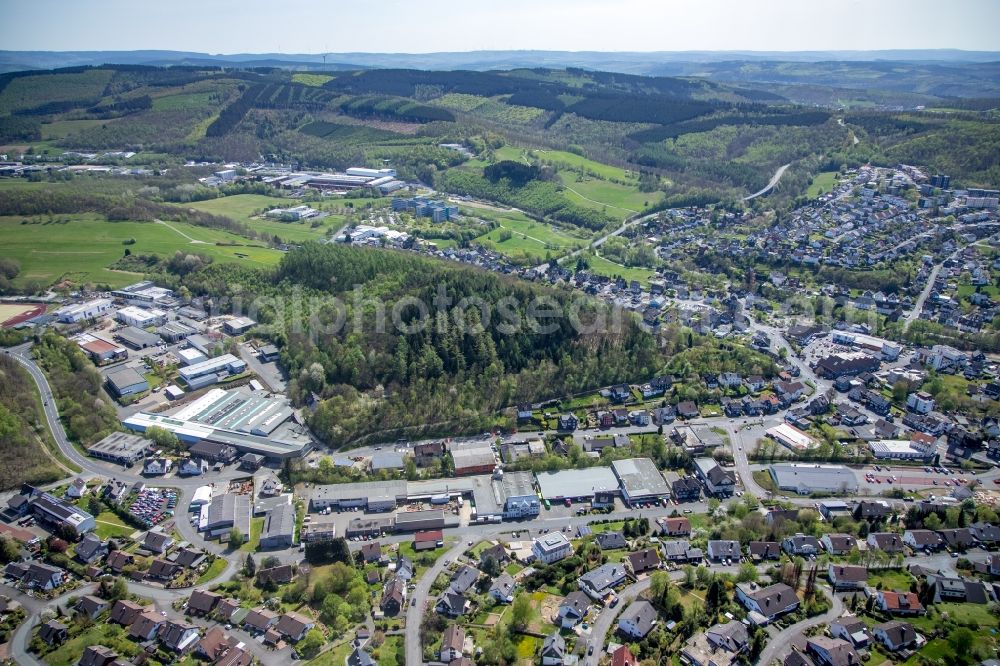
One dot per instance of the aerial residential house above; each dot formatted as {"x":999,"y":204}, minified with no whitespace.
{"x":847,"y":576}
{"x":464,"y":579}
{"x":959,"y":590}
{"x":551,"y":547}
{"x":801,"y":544}
{"x":178,"y":636}
{"x":789,"y":391}
{"x":293,"y":626}
{"x":895,"y":635}
{"x":52,"y":632}
{"x":677,"y":527}
{"x":162,"y":570}
{"x":36,"y":575}
{"x":637,"y":620}
{"x":719,"y":551}
{"x":872,"y":511}
{"x":452,"y":604}
{"x":90,"y":549}
{"x":852,"y":630}
{"x":146,"y":625}
{"x":681,"y":552}
{"x":554,"y":650}
{"x":719,"y":645}
{"x":958,"y":539}
{"x":899,"y":603}
{"x":497,"y":552}
{"x":502,"y":589}
{"x":157,"y":542}
{"x":769,"y":602}
{"x":124,"y":612}
{"x":832,"y":651}
{"x":923,"y":539}
{"x":887,"y":542}
{"x":260,"y":620}
{"x":622,"y":656}
{"x":985,"y":533}
{"x":91,"y":606}
{"x":685,"y":489}
{"x":452,"y":643}
{"x":688,"y":410}
{"x":718,"y":481}
{"x":600,"y":582}
{"x":611,"y":540}
{"x":642,"y":561}
{"x":203,"y":602}
{"x":431,"y":453}
{"x":838,"y":543}
{"x":573,"y":609}
{"x":393,"y":596}
{"x":764,"y":550}
{"x":98,"y":655}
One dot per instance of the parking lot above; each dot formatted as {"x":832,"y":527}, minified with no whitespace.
{"x":154,"y":505}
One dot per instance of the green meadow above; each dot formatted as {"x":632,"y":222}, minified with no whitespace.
{"x":81,"y":247}
{"x":243,"y":207}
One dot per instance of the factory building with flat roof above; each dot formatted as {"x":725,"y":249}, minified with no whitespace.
{"x":246,"y":420}
{"x":211,"y":370}
{"x":805,"y":479}
{"x":640,"y":480}
{"x":120,"y":447}
{"x":578,"y":484}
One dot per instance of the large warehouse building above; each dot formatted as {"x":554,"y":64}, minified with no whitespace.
{"x":245,"y":420}
{"x":640,"y":480}
{"x":578,"y":484}
{"x":805,"y":479}
{"x":120,"y":447}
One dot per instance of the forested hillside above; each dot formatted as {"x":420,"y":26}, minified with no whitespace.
{"x":21,"y":430}
{"x":449,"y":375}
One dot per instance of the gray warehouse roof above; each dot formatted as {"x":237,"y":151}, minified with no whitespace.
{"x":124,"y":377}
{"x":340,"y":492}
{"x":810,"y":477}
{"x":577,"y":482}
{"x":640,"y":478}
{"x":280,"y":522}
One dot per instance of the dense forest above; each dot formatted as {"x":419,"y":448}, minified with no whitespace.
{"x":84,"y":409}
{"x":446,"y":370}
{"x":21,"y":430}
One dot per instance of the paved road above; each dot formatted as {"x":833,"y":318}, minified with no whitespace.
{"x":780,"y":642}
{"x":419,"y":598}
{"x":774,"y":181}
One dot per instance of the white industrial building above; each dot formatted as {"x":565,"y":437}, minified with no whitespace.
{"x":132,"y":315}
{"x":145,"y":294}
{"x":211,"y":370}
{"x":902,"y":449}
{"x":70,"y":314}
{"x":791,"y":437}
{"x":804,"y":478}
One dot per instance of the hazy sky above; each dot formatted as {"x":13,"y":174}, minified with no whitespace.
{"x":419,"y":26}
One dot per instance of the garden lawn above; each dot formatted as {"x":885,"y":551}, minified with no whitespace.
{"x":256,"y":528}
{"x":109,"y":525}
{"x":109,"y":635}
{"x":213,"y":570}
{"x":386,"y":653}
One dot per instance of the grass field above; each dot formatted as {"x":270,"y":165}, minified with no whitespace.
{"x":822,"y":183}
{"x":110,"y":635}
{"x":63,"y":128}
{"x":612,"y":198}
{"x":311,"y":79}
{"x":82,"y":248}
{"x":530,"y":238}
{"x":603,"y":266}
{"x":192,"y":100}
{"x":243,"y":206}
{"x":256,"y":528}
{"x":110,"y":525}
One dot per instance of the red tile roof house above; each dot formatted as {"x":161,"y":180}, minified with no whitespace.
{"x":900,"y":603}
